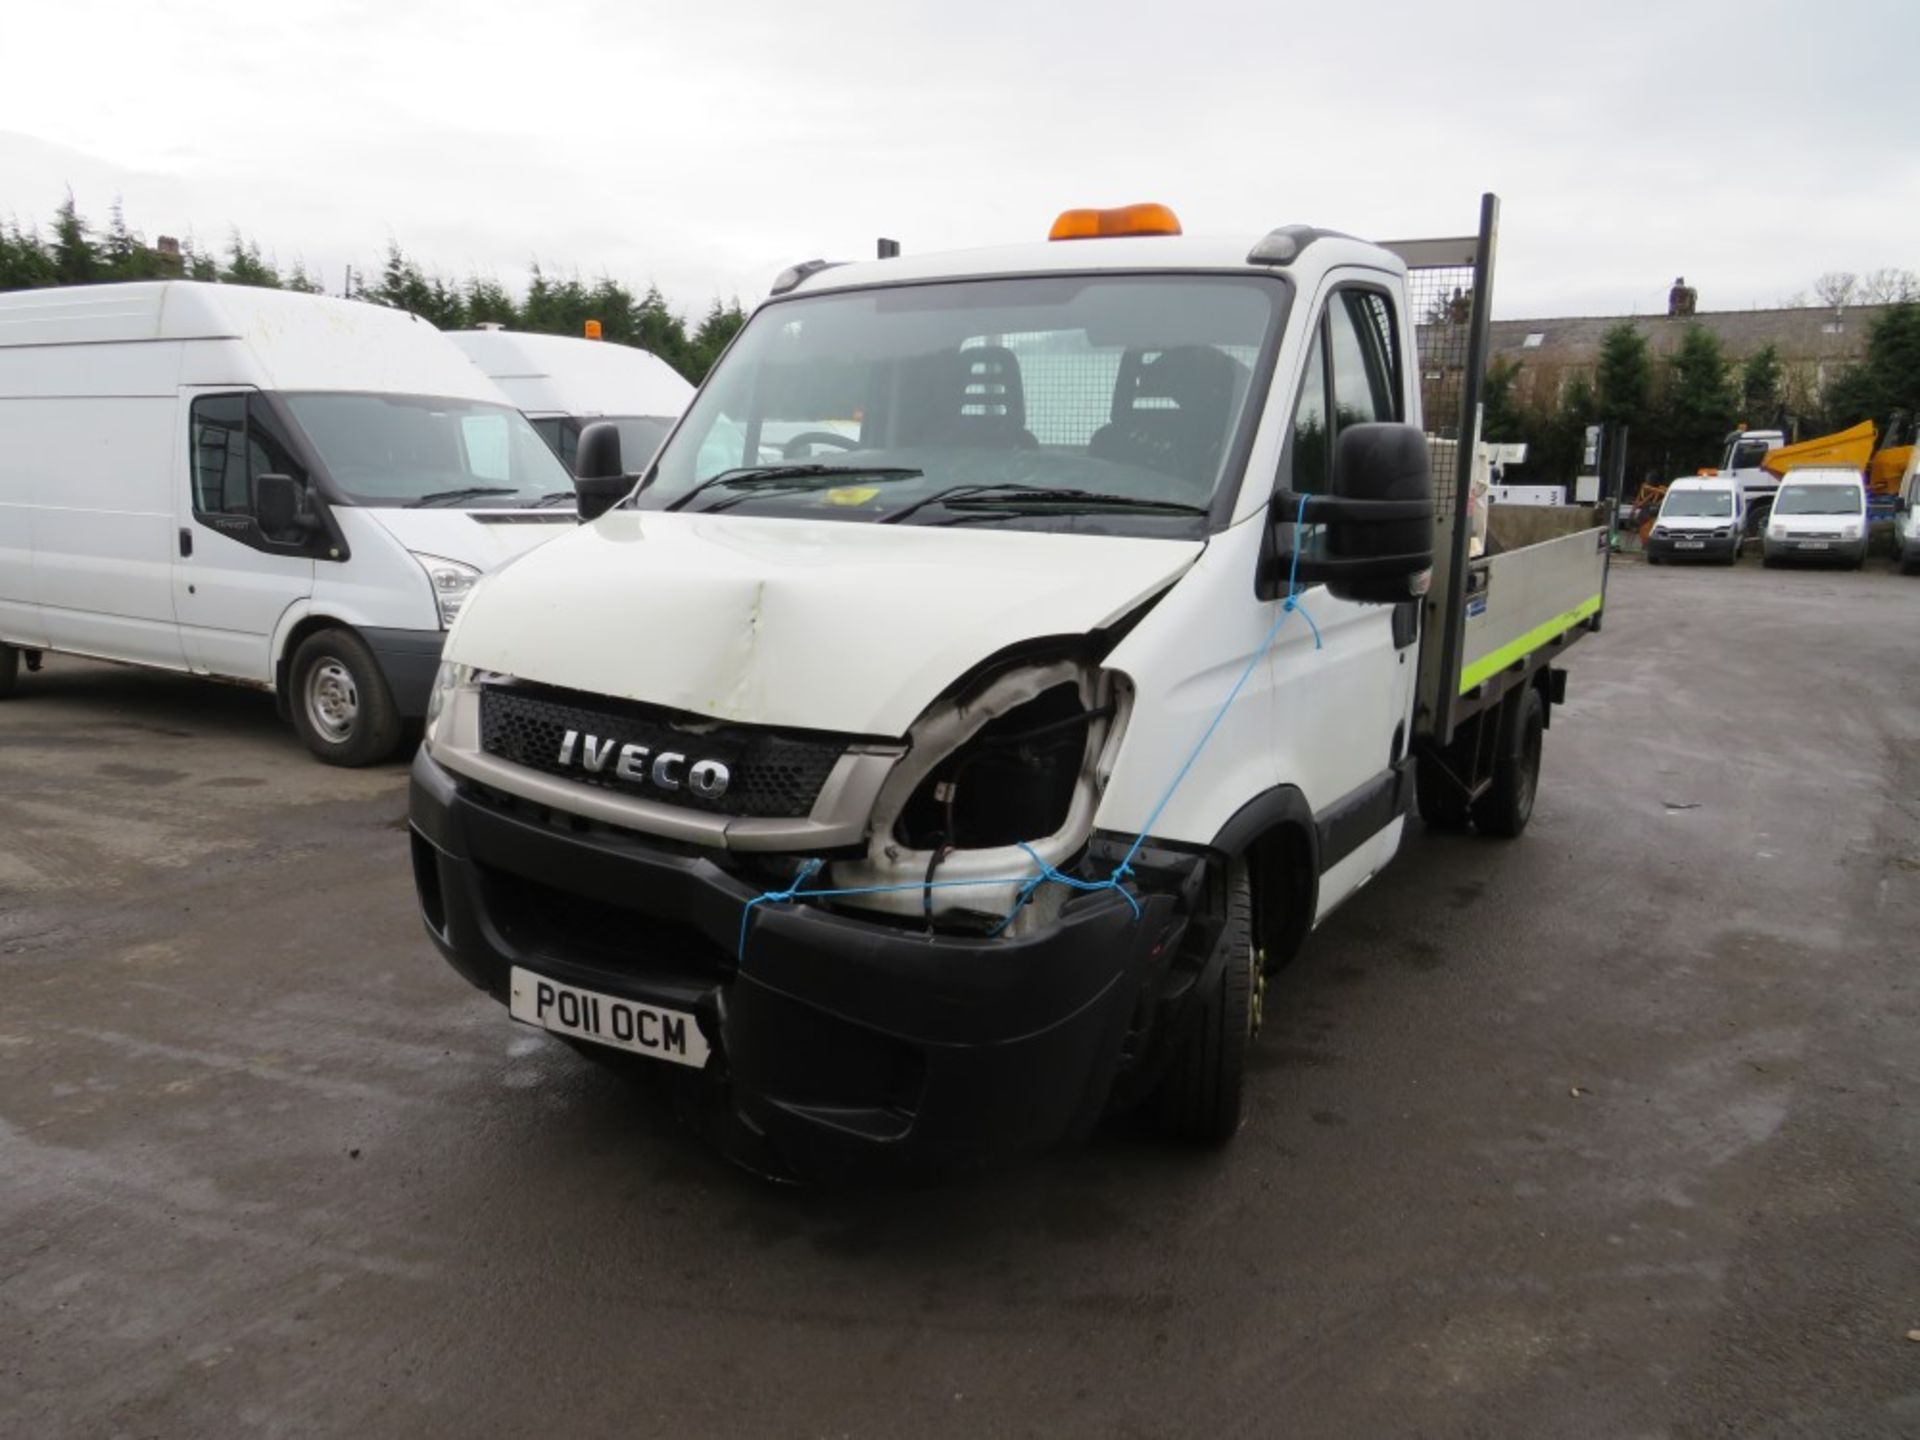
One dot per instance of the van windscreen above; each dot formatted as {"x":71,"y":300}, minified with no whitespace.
{"x":1683,"y":504}
{"x":417,"y":450}
{"x":1818,"y":500}
{"x":1085,"y":402}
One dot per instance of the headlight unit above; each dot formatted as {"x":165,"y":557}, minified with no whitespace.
{"x":452,"y":582}
{"x":447,"y":679}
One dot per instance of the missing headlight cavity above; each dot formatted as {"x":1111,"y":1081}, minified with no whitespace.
{"x":1013,"y":781}
{"x":1007,"y":769}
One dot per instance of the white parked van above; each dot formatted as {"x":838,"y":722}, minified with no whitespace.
{"x":1702,"y":518}
{"x":1819,"y":514}
{"x":285,"y":490}
{"x":1906,"y":518}
{"x":561,"y":384}
{"x":919,"y":798}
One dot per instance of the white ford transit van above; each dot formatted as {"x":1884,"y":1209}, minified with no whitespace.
{"x":561,"y":384}
{"x":285,"y":490}
{"x":1701,"y":518}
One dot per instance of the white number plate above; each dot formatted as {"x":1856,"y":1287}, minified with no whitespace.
{"x":1689,"y":544}
{"x":1813,"y":544}
{"x":607,"y":1019}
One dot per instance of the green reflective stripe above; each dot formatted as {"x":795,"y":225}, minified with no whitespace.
{"x":1491,"y":665}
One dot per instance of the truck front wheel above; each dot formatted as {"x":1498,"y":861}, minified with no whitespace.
{"x":1507,"y":805}
{"x":1199,"y":1100}
{"x":340,"y":701}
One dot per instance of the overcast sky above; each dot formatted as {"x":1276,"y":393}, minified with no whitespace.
{"x":1747,"y":144}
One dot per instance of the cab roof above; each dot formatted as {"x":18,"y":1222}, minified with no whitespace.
{"x":565,"y":375}
{"x":1151,"y":252}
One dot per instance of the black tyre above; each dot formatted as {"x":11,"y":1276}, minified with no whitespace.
{"x":1507,"y":806}
{"x":9,"y":670}
{"x":1199,"y":1099}
{"x":340,"y":701}
{"x":1442,"y":806}
{"x":1652,"y":559}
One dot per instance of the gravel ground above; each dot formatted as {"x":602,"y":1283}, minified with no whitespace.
{"x":1610,"y":1131}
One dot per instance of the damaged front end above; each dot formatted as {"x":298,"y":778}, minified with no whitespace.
{"x":1001,"y":776}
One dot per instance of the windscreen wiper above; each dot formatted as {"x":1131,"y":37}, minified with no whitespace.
{"x":755,"y":476}
{"x":470,"y":492}
{"x":1017,"y":498}
{"x":554,"y":497}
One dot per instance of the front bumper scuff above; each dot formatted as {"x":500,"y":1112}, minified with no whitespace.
{"x":843,"y":1045}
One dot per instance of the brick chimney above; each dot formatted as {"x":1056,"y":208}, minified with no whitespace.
{"x":1682,"y":298}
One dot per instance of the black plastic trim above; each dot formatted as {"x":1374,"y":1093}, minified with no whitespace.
{"x":1356,"y":817}
{"x":409,"y":660}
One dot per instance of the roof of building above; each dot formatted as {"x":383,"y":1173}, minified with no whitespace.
{"x":1814,"y":332}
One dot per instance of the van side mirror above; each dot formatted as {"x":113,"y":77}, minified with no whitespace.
{"x":280,"y":509}
{"x":599,"y":479}
{"x":1377,"y":542}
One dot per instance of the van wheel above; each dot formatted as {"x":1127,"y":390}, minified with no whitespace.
{"x":340,"y":702}
{"x":1507,"y":805}
{"x":9,"y":670}
{"x":1199,"y":1100}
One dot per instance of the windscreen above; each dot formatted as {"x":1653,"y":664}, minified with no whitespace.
{"x":423,"y":451}
{"x":1110,"y":403}
{"x":1746,"y":454}
{"x":1818,"y":500}
{"x":1697,"y":504}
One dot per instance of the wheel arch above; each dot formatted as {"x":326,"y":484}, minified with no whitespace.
{"x":292,"y":636}
{"x":1276,"y":833}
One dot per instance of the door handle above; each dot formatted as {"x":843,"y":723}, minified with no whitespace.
{"x":186,"y":541}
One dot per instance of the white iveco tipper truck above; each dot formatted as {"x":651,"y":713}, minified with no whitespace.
{"x":955,"y":776}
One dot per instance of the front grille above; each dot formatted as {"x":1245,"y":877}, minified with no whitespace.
{"x":772,"y":774}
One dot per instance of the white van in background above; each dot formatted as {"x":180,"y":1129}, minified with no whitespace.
{"x":1906,"y":518}
{"x":1820,"y":513}
{"x":562,"y":384}
{"x":285,"y":490}
{"x":1701,"y":518}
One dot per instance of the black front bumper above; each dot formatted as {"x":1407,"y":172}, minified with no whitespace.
{"x":841,"y":1047}
{"x":1691,"y":547}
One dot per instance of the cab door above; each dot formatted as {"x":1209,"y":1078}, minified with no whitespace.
{"x":232,"y":582}
{"x":1343,"y":707}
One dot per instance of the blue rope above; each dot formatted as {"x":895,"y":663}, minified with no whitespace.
{"x":1029,"y":884}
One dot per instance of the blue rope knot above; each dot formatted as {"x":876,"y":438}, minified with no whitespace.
{"x":1072,"y":882}
{"x":806,"y":872}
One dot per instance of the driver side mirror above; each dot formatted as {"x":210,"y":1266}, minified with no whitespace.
{"x":280,"y":509}
{"x":1376,"y":541}
{"x":599,"y":479}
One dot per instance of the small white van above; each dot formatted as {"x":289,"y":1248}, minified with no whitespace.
{"x":562,"y":384}
{"x":1702,"y":518}
{"x":285,"y":490}
{"x":1819,"y":514}
{"x":1906,"y":518}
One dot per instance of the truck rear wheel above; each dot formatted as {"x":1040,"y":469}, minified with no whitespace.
{"x":340,"y":701}
{"x":9,"y":670}
{"x":1507,"y":805}
{"x":1199,"y":1100}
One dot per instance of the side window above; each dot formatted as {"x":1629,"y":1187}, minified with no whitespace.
{"x":1360,"y":335}
{"x":235,"y":440}
{"x":219,"y":438}
{"x":1308,"y":449}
